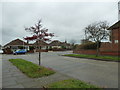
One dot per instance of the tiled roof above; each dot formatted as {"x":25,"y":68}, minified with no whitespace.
{"x":55,"y":43}
{"x":58,"y":43}
{"x":116,"y":25}
{"x":41,"y":43}
{"x":16,"y":42}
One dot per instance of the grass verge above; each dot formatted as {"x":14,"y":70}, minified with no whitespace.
{"x":71,"y":83}
{"x":30,"y":69}
{"x":107,"y":58}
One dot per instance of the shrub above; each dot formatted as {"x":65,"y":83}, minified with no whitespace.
{"x":63,"y":47}
{"x":31,"y":48}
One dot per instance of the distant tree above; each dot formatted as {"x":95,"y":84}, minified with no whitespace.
{"x":97,"y":32}
{"x":83,"y":41}
{"x":72,"y":41}
{"x":39,"y":34}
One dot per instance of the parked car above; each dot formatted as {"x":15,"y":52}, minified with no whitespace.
{"x":1,"y":51}
{"x":20,"y":51}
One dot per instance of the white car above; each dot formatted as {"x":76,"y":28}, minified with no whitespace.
{"x":1,"y":51}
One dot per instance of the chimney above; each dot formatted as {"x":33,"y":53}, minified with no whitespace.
{"x":27,"y":41}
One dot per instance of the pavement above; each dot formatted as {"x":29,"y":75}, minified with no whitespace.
{"x":14,"y":78}
{"x":100,"y":73}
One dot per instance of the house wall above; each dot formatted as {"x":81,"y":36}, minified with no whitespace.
{"x":115,"y":35}
{"x":115,"y":42}
{"x":56,"y":46}
{"x":15,"y":47}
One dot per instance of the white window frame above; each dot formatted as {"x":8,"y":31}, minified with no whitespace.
{"x":116,"y":41}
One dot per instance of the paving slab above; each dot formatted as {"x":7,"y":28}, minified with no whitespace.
{"x":14,"y":78}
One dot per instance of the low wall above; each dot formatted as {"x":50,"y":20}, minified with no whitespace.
{"x":85,"y":51}
{"x":41,"y":50}
{"x":110,"y":53}
{"x":93,"y":52}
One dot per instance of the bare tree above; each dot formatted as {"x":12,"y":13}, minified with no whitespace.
{"x":72,"y":41}
{"x":39,"y":34}
{"x":97,"y":32}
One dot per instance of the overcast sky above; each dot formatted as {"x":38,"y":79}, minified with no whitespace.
{"x":65,"y":19}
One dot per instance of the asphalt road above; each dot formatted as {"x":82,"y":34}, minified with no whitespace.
{"x":100,"y":73}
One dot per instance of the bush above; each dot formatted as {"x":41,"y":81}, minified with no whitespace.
{"x":90,"y":46}
{"x":63,"y":47}
{"x":31,"y":48}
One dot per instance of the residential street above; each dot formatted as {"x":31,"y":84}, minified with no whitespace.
{"x":101,"y":73}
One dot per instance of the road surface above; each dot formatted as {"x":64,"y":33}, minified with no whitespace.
{"x":100,"y":73}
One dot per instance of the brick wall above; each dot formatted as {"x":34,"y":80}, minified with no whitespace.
{"x":113,"y":53}
{"x":115,"y":35}
{"x":93,"y":52}
{"x":84,"y":51}
{"x":106,"y":48}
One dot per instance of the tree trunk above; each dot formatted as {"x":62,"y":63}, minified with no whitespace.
{"x":39,"y":50}
{"x":39,"y":55}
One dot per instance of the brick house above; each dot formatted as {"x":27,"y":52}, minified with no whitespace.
{"x":112,"y":47}
{"x":16,"y":44}
{"x":41,"y":44}
{"x":59,"y":45}
{"x":107,"y":48}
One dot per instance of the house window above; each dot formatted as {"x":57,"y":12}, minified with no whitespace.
{"x":116,"y":41}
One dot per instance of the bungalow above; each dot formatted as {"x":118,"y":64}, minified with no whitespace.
{"x":40,"y":44}
{"x":16,"y":44}
{"x":59,"y":45}
{"x":55,"y":44}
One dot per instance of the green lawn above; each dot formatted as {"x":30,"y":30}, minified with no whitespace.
{"x":71,"y":83}
{"x":30,"y":69}
{"x":112,"y":58}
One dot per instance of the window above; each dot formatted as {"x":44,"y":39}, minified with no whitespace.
{"x":116,"y":41}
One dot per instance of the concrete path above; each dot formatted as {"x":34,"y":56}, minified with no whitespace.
{"x":100,"y":73}
{"x":13,"y":78}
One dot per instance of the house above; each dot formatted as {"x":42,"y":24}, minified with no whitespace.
{"x":66,"y":45}
{"x":17,"y":44}
{"x":55,"y":44}
{"x":59,"y":45}
{"x":112,"y":47}
{"x":40,"y":44}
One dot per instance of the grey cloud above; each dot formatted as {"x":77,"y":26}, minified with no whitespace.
{"x":66,"y":19}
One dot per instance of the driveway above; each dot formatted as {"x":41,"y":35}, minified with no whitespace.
{"x":101,"y":73}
